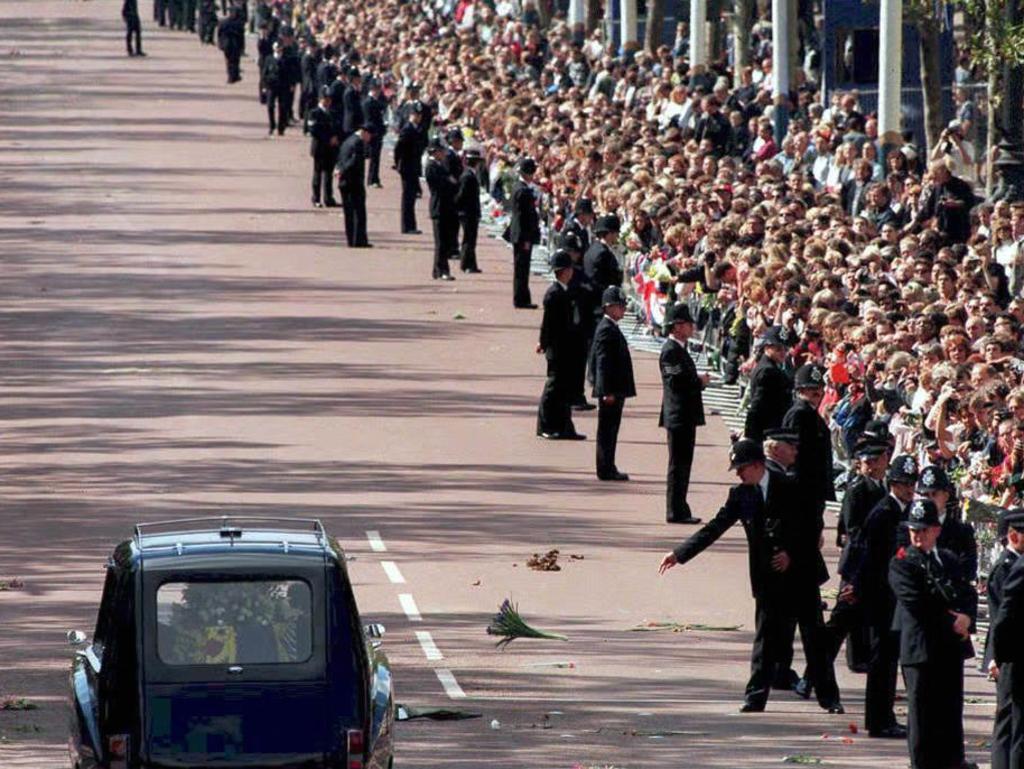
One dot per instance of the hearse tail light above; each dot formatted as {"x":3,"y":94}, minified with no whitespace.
{"x":117,"y":751}
{"x":356,"y":748}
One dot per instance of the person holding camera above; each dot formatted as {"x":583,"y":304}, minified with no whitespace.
{"x":948,"y":200}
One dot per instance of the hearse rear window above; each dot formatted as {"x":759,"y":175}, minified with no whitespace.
{"x":248,"y":622}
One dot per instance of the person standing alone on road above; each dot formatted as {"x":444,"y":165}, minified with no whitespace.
{"x":352,"y":183}
{"x":611,"y":367}
{"x":133,"y":27}
{"x":523,"y":233}
{"x":442,"y":207}
{"x":323,"y":149}
{"x":231,"y":40}
{"x":682,"y":410}
{"x":559,"y":333}
{"x":275,"y":85}
{"x":467,"y":201}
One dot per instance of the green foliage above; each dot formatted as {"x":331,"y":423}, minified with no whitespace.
{"x":993,"y":43}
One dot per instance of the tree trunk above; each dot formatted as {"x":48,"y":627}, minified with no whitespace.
{"x":655,"y":25}
{"x":593,"y":14}
{"x":931,"y":81}
{"x":742,"y":26}
{"x":990,"y":132}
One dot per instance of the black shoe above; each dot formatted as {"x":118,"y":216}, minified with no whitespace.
{"x":332,"y":204}
{"x":271,"y":131}
{"x":833,"y":708}
{"x":473,"y":271}
{"x":447,"y":276}
{"x":140,"y":53}
{"x":530,"y":306}
{"x":562,"y":436}
{"x":363,"y":245}
{"x":412,"y":232}
{"x":317,"y":204}
{"x":584,"y":406}
{"x":616,"y":476}
{"x":752,"y":707}
{"x":894,"y":732}
{"x":803,"y":689}
{"x":690,"y":520}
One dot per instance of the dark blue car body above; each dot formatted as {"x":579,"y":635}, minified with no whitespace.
{"x":230,"y":643}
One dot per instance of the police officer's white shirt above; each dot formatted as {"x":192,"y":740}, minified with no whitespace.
{"x":763,"y":485}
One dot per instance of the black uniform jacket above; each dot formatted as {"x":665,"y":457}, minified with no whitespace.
{"x":771,"y":526}
{"x":576,"y":227}
{"x":353,"y":110}
{"x":994,"y":589}
{"x":525,"y":224}
{"x":408,"y":152}
{"x":814,"y":459}
{"x":602,"y":267}
{"x":275,"y":74}
{"x":442,"y":190}
{"x":862,"y":494}
{"x":682,"y":404}
{"x":352,"y":165}
{"x":611,"y":366}
{"x":1008,"y":627}
{"x":958,"y":538}
{"x":374,"y":110}
{"x":925,"y":594}
{"x":866,"y":565}
{"x":467,"y":198}
{"x":231,"y":36}
{"x":771,"y":395}
{"x":321,"y":130}
{"x":558,"y":331}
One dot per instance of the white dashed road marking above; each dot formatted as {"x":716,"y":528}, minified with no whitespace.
{"x":391,"y":569}
{"x":409,"y":607}
{"x":376,"y":543}
{"x":451,"y":686}
{"x":429,"y":647}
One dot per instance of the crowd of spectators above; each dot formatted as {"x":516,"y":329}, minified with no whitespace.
{"x":890,"y":272}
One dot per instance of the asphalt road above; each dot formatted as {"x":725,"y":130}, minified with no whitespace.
{"x":183,"y":335}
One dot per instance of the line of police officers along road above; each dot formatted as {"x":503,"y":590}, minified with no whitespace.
{"x":908,"y":562}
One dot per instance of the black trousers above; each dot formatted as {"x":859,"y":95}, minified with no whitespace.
{"x":133,"y":29}
{"x":681,"y":441}
{"x":160,"y":12}
{"x":935,"y":714}
{"x":883,"y":661}
{"x":277,"y":106}
{"x":775,"y":614}
{"x":467,"y":253}
{"x":373,"y":167}
{"x":354,"y":207}
{"x":410,"y":191}
{"x":521,"y":253}
{"x":289,"y":103}
{"x":442,"y":231}
{"x":233,"y":60}
{"x":553,"y":413}
{"x":190,"y":15}
{"x":1008,"y":729}
{"x":609,"y":418}
{"x":323,"y":184}
{"x":453,"y":236}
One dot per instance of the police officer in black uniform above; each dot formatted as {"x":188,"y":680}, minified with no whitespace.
{"x":323,"y":149}
{"x":814,"y":462}
{"x":770,"y":388}
{"x":375,"y":108}
{"x":327,"y":70}
{"x":408,"y":163}
{"x":231,"y":40}
{"x":682,"y":410}
{"x":935,"y":612}
{"x":133,"y":27}
{"x":866,"y":575}
{"x":599,"y":261}
{"x":611,"y":370}
{"x":559,"y":334}
{"x":275,"y":86}
{"x":467,"y":201}
{"x":354,"y":117}
{"x":523,"y":233}
{"x":783,"y":558}
{"x":207,"y":21}
{"x":352,"y":183}
{"x":1008,"y":728}
{"x":579,"y":222}
{"x":442,"y":206}
{"x":453,"y":159}
{"x":957,"y":535}
{"x":781,"y":448}
{"x":308,"y":64}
